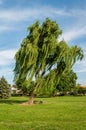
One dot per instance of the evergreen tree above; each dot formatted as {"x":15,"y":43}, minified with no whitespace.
{"x":43,"y":59}
{"x":5,"y":89}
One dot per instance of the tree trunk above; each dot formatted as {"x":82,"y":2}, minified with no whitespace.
{"x":31,"y":99}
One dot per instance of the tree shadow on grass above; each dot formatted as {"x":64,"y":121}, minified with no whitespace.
{"x":11,"y":102}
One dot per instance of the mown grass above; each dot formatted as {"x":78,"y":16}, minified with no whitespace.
{"x":59,"y":113}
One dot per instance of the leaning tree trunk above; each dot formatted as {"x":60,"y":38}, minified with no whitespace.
{"x":31,"y":99}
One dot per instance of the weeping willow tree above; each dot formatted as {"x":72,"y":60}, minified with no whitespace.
{"x":42,"y":59}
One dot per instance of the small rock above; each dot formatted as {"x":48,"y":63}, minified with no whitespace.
{"x":41,"y":101}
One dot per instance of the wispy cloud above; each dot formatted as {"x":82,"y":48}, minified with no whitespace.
{"x":83,"y":70}
{"x":17,"y":15}
{"x":23,"y":14}
{"x":6,"y":61}
{"x":4,"y":28}
{"x":74,"y":33}
{"x":77,"y":12}
{"x":7,"y":56}
{"x":11,"y":17}
{"x":7,"y":72}
{"x":80,"y":67}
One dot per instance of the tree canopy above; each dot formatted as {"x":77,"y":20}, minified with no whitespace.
{"x":42,"y":58}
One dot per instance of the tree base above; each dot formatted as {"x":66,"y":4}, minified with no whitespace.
{"x":26,"y":104}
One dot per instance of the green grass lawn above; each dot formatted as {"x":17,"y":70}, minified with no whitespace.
{"x":59,"y":113}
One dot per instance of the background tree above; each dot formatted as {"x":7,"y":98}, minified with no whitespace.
{"x":43,"y":59}
{"x":67,"y":82}
{"x":5,"y":89}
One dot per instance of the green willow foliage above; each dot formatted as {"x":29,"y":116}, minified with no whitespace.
{"x":42,"y":59}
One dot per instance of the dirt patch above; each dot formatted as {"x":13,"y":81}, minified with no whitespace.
{"x":26,"y":104}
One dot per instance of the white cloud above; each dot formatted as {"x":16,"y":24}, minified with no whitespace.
{"x":7,"y":56}
{"x":17,"y":15}
{"x":77,"y":12}
{"x":83,"y":70}
{"x":80,"y":67}
{"x":83,"y":62}
{"x":24,"y":14}
{"x":6,"y":60}
{"x":7,"y":72}
{"x":4,"y":28}
{"x":74,"y":33}
{"x":11,"y":17}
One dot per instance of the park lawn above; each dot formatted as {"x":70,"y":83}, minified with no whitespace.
{"x":57,"y":113}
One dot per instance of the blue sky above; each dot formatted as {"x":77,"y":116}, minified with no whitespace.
{"x":17,"y":15}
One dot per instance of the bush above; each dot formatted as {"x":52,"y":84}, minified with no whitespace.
{"x":82,"y":90}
